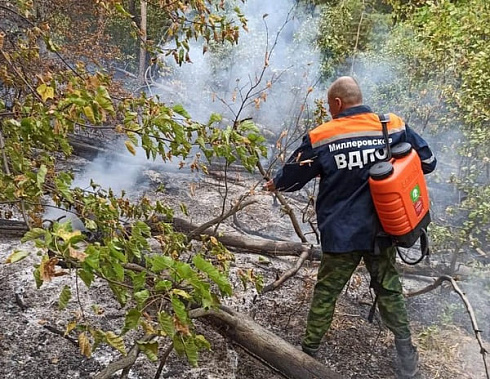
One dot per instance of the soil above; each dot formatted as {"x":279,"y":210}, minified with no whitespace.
{"x":353,"y":347}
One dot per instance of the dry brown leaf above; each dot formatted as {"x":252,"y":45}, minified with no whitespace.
{"x":78,"y":255}
{"x":84,"y":344}
{"x":46,"y":269}
{"x":184,"y":329}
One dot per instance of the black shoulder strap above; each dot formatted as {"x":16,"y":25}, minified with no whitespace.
{"x":384,"y":119}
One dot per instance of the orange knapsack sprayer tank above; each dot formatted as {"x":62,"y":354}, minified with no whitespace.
{"x":400,"y":194}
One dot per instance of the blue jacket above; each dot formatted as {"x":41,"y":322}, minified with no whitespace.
{"x":341,"y":152}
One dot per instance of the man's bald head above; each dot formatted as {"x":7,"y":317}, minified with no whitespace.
{"x":344,"y":93}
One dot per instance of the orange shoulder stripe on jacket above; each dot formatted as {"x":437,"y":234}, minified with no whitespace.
{"x":363,"y":124}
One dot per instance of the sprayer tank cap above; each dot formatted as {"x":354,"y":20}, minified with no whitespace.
{"x":400,"y":150}
{"x":381,"y":170}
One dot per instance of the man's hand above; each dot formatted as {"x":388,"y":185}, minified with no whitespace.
{"x":270,"y":186}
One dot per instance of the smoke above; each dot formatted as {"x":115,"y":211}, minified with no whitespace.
{"x":218,"y":81}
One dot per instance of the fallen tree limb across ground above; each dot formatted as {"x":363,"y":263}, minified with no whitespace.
{"x":265,"y":345}
{"x":259,"y":342}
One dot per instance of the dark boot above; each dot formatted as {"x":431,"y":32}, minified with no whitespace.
{"x":311,"y":351}
{"x":409,"y":357}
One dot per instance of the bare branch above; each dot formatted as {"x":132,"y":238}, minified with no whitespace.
{"x":468,"y":306}
{"x":240,"y":204}
{"x":288,"y":273}
{"x":163,"y":360}
{"x":123,"y":362}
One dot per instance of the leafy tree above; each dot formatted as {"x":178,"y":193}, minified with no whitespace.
{"x":432,"y":66}
{"x":53,"y":84}
{"x":445,"y":44}
{"x":346,"y":28}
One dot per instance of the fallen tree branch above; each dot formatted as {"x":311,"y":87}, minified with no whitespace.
{"x":243,"y":242}
{"x":240,"y":204}
{"x":257,"y":245}
{"x":468,"y":306}
{"x":264,"y":345}
{"x":121,"y":363}
{"x":288,"y":273}
{"x":297,"y":228}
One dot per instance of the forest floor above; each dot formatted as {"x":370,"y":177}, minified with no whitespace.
{"x":30,"y":348}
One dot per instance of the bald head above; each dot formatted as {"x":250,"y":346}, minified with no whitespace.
{"x":344,"y":93}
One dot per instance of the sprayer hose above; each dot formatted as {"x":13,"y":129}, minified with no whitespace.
{"x":424,"y":249}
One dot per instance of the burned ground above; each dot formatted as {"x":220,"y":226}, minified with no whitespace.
{"x":354,"y":347}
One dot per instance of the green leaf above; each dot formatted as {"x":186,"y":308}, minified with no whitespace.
{"x":120,"y":293}
{"x":93,"y":257}
{"x":166,"y":323}
{"x":178,"y":108}
{"x":118,"y":271}
{"x":190,"y":349}
{"x":163,"y":285}
{"x":150,"y":349}
{"x":104,"y":100}
{"x":179,"y":309}
{"x":141,"y":298}
{"x":131,"y":320}
{"x":64,"y":298}
{"x":17,"y":255}
{"x":178,"y":344}
{"x":99,"y":337}
{"x":41,"y":176}
{"x":120,"y":9}
{"x":88,"y":111}
{"x":183,"y":209}
{"x":139,"y":280}
{"x":33,"y":234}
{"x":160,"y":263}
{"x":264,"y":260}
{"x":37,"y":278}
{"x":202,"y":342}
{"x":116,"y":342}
{"x":50,"y":44}
{"x":215,"y":117}
{"x":214,"y":274}
{"x":90,"y":224}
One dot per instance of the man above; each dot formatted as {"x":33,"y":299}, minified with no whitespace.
{"x":341,"y":153}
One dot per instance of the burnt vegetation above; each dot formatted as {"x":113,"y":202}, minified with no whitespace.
{"x":187,"y":255}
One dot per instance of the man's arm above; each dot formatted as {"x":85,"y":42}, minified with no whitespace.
{"x":428,"y":159}
{"x":302,"y":166}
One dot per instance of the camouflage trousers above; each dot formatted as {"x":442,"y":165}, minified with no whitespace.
{"x":334,"y":272}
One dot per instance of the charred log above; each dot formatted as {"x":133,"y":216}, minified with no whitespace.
{"x":12,"y":228}
{"x":265,"y":345}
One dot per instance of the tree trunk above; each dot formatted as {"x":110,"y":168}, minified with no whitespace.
{"x":12,"y":228}
{"x":86,"y":148}
{"x":265,"y":345}
{"x":143,"y":36}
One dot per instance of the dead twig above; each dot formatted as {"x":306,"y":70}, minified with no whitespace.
{"x":163,"y":360}
{"x":61,"y":333}
{"x":468,"y":306}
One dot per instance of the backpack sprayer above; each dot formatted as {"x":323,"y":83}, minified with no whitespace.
{"x":400,"y":195}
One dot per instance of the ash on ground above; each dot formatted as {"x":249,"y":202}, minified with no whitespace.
{"x":32,"y":344}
